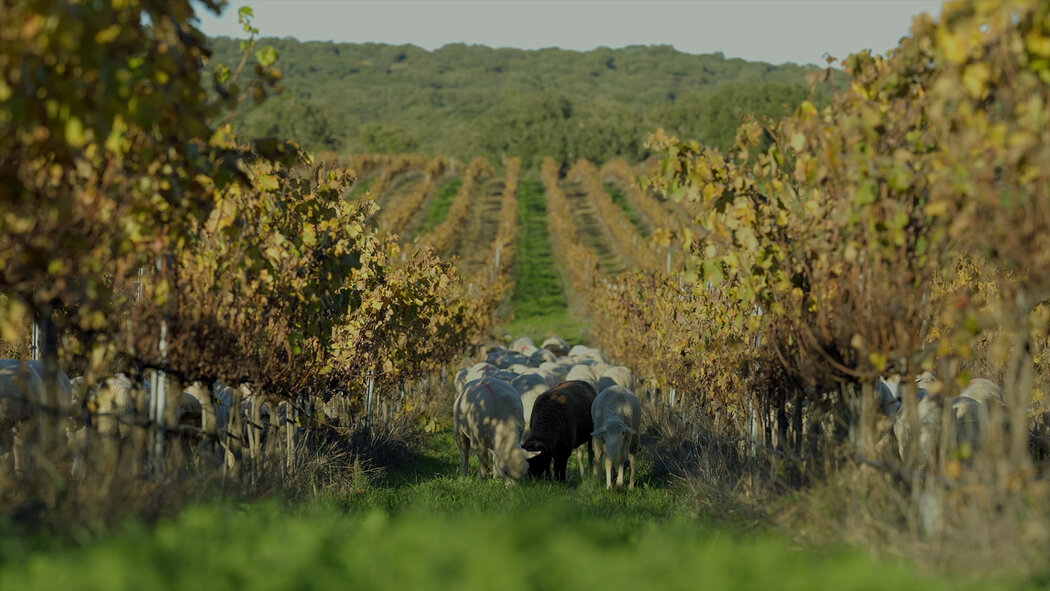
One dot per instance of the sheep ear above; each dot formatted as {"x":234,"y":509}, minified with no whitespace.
{"x":533,"y":454}
{"x":598,"y":431}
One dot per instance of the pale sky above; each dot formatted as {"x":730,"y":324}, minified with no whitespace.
{"x":774,"y":31}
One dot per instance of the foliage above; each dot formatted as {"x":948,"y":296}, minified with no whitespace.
{"x":465,"y":101}
{"x":843,"y":231}
{"x":425,"y":532}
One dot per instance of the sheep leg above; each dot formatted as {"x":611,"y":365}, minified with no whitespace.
{"x":631,"y":457}
{"x":596,"y":449}
{"x":464,"y":453}
{"x":560,"y":465}
{"x":590,"y":454}
{"x":579,"y":460}
{"x":483,"y":461}
{"x":608,"y":472}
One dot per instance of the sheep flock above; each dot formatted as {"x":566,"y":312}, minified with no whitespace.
{"x":524,"y":409}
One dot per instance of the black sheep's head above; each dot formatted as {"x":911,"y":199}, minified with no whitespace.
{"x":539,"y":458}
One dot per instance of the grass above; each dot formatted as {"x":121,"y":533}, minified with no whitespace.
{"x":422,"y":527}
{"x":540,"y":307}
{"x":561,"y":323}
{"x":437,"y":208}
{"x":359,"y":189}
{"x":620,"y":199}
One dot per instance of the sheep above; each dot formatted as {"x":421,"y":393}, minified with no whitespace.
{"x":221,"y":399}
{"x":528,"y":400}
{"x":616,"y":375}
{"x":505,"y":360}
{"x":556,"y":345}
{"x":973,"y":410}
{"x":889,"y":397}
{"x":65,"y":392}
{"x":113,"y":405}
{"x":557,"y":369}
{"x":968,"y":420}
{"x":541,"y":356}
{"x":560,"y":422}
{"x":489,"y":417}
{"x":525,"y":381}
{"x":585,"y":372}
{"x":578,"y":350}
{"x":581,"y":353}
{"x":617,"y":417}
{"x":472,"y":373}
{"x":20,"y":388}
{"x":523,"y":344}
{"x":928,"y":412}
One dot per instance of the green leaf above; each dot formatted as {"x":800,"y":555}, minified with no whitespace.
{"x":267,"y":56}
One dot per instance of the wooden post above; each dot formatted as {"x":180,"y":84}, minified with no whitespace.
{"x":35,"y":347}
{"x":369,"y":400}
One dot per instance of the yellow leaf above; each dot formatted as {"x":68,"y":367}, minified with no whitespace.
{"x":975,"y":79}
{"x":879,"y":360}
{"x":107,"y":35}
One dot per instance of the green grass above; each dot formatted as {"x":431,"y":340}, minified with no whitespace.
{"x":423,"y":527}
{"x":560,"y":323}
{"x":540,"y":306}
{"x":620,"y":199}
{"x":437,"y":208}
{"x":359,"y":189}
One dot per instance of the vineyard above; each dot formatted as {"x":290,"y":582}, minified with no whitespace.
{"x":837,"y":329}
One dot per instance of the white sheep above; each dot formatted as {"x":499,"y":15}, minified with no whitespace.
{"x":616,"y":375}
{"x":20,"y":389}
{"x":489,"y":417}
{"x":113,"y":405}
{"x":617,"y":416}
{"x":523,"y":344}
{"x":583,"y":371}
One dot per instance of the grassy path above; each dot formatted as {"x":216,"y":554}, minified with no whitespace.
{"x":422,"y":527}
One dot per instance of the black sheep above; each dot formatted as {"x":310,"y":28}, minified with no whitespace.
{"x":561,"y":421}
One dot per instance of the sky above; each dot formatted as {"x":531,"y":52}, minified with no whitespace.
{"x":774,"y":31}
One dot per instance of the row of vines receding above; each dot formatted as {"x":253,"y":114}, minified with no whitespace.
{"x":147,"y":240}
{"x":901,"y":229}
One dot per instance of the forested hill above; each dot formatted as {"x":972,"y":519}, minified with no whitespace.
{"x":466,"y":100}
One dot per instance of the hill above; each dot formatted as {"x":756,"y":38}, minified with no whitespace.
{"x":474,"y":100}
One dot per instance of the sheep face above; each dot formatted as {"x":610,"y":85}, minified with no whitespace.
{"x":614,"y":438}
{"x":512,"y":466}
{"x":539,"y":458}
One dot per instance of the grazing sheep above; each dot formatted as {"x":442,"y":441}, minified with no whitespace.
{"x":616,"y":375}
{"x":973,"y":410}
{"x":584,"y":372}
{"x":617,"y":416}
{"x":20,"y":388}
{"x":528,"y":400}
{"x":65,"y":393}
{"x":221,"y":401}
{"x":560,"y":422}
{"x":556,"y":345}
{"x":889,"y":397}
{"x":583,"y":353}
{"x":541,"y":356}
{"x":558,"y":370}
{"x":506,"y":359}
{"x":578,"y":350}
{"x":489,"y":417}
{"x":928,"y":412}
{"x":113,"y":405}
{"x":968,"y":422}
{"x":525,"y":381}
{"x":523,"y":344}
{"x":472,"y":373}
